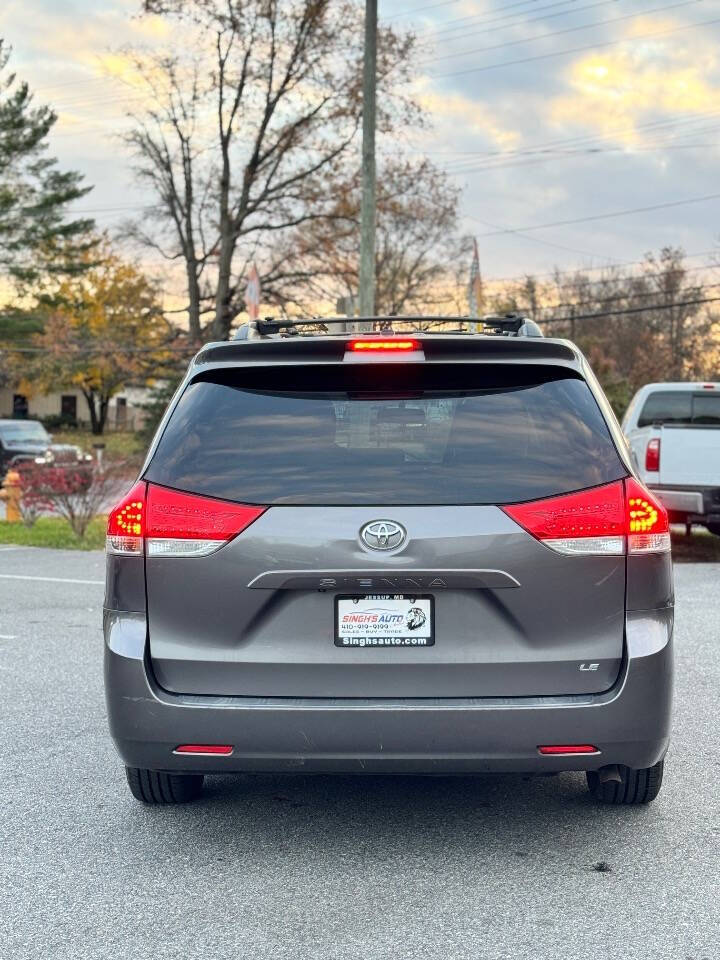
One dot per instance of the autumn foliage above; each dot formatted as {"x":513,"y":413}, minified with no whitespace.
{"x":103,"y":329}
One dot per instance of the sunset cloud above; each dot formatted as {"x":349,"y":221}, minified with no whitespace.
{"x":455,"y":113}
{"x":613,"y":91}
{"x":506,"y":92}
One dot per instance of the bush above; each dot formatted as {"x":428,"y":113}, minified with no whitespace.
{"x":34,"y":500}
{"x":78,"y":493}
{"x":59,"y":421}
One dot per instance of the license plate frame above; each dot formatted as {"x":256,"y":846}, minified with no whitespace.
{"x":393,"y":637}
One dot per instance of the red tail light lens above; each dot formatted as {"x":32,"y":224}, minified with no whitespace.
{"x":652,"y":455}
{"x":383,"y":346}
{"x":126,"y":522}
{"x":588,"y":522}
{"x":600,"y":521}
{"x":648,"y":525}
{"x":175,"y":524}
{"x":185,"y":525}
{"x":570,"y":748}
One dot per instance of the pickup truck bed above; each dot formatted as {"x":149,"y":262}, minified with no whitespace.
{"x":674,"y":434}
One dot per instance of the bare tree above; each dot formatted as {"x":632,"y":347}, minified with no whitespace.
{"x":635,"y":325}
{"x":244,"y":136}
{"x":415,"y":242}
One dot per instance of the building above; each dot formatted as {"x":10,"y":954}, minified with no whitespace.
{"x":70,"y":406}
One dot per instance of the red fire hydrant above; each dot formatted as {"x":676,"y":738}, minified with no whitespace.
{"x":11,"y":492}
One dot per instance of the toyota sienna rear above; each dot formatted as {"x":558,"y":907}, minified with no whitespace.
{"x":390,"y":554}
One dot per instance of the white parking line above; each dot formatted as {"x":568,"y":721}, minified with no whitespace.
{"x":19,"y":576}
{"x":8,"y":636}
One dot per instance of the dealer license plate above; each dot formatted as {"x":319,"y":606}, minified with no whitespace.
{"x":393,"y":620}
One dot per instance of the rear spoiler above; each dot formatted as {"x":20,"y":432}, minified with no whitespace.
{"x":437,"y":348}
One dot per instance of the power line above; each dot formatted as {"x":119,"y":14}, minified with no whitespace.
{"x":71,"y":83}
{"x":700,"y":288}
{"x":430,"y":6}
{"x":588,"y":138}
{"x":518,"y":277}
{"x":481,"y":20}
{"x":541,"y":240}
{"x":565,"y":30}
{"x":605,"y":216}
{"x":583,"y":49}
{"x":517,"y":21}
{"x":654,"y":126}
{"x":657,"y":140}
{"x":604,"y":300}
{"x":574,"y":154}
{"x":631,"y":310}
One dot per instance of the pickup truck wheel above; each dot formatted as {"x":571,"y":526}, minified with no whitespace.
{"x":714,"y":528}
{"x":636,"y":786}
{"x":152,"y":787}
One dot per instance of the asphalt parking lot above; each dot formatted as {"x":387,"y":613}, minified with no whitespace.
{"x":306,"y":868}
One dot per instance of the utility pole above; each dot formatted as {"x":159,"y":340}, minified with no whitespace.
{"x":367,"y":228}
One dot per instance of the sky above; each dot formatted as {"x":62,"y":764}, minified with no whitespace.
{"x":582,"y":132}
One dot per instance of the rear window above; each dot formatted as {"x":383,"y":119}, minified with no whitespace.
{"x":706,"y":409}
{"x":462,"y":436}
{"x":680,"y":407}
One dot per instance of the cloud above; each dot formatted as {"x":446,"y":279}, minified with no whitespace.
{"x":459,"y":113}
{"x":615,"y":90}
{"x":76,"y":41}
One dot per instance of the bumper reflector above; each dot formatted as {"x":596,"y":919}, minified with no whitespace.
{"x":205,"y":749}
{"x":565,"y":749}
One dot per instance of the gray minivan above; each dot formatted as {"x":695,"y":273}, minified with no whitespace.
{"x":402,"y":553}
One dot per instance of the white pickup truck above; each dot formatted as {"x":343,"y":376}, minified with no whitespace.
{"x":674,"y":434}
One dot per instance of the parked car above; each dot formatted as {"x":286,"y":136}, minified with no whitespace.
{"x":67,"y":454}
{"x":389,"y":554}
{"x":674,"y":433}
{"x":21,"y":440}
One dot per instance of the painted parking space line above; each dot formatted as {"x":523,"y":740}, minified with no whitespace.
{"x":21,"y":576}
{"x":8,"y":636}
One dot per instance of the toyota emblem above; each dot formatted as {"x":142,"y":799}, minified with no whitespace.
{"x":382,"y":535}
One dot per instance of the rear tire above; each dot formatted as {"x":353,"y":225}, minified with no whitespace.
{"x":152,"y":787}
{"x":638,"y":786}
{"x":714,"y":528}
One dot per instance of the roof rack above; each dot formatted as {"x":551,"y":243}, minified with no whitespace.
{"x":511,"y":325}
{"x":507,"y":325}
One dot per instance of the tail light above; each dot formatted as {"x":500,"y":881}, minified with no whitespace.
{"x":648,"y":525}
{"x":652,"y":455}
{"x":170,"y":523}
{"x":567,"y":749}
{"x":126,"y":522}
{"x":588,"y":522}
{"x":603,"y":521}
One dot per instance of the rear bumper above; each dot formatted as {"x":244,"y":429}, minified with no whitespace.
{"x":696,"y":505}
{"x":630,"y":723}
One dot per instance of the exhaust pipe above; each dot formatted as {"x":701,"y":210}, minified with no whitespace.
{"x":611,"y":772}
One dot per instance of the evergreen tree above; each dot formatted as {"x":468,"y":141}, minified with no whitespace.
{"x":36,"y":234}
